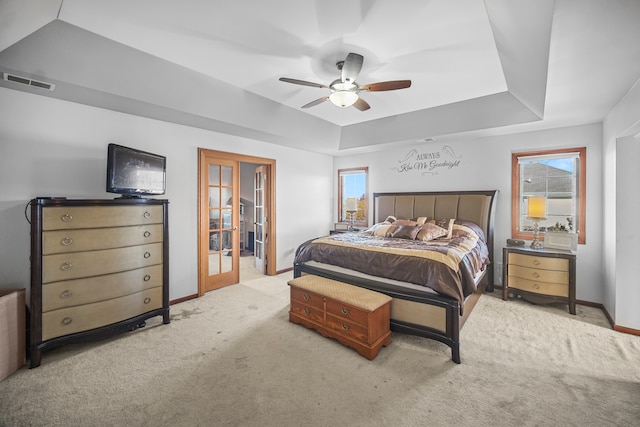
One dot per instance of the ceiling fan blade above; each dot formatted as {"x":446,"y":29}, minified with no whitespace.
{"x":392,"y":85}
{"x":361,"y":105}
{"x":316,"y":102}
{"x":302,"y":82}
{"x":351,"y":67}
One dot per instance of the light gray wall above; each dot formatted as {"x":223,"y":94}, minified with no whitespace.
{"x":50,"y":147}
{"x":485,"y":164}
{"x":620,"y":204}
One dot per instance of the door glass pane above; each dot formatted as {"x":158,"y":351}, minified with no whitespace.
{"x":214,"y":175}
{"x":214,"y":264}
{"x":214,"y":219}
{"x":214,"y":197}
{"x":226,"y":218}
{"x":214,"y":241}
{"x":227,"y":241}
{"x":227,"y":261}
{"x":227,"y":199}
{"x":227,"y":176}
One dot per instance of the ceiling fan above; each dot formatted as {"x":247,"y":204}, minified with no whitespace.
{"x":345,"y":91}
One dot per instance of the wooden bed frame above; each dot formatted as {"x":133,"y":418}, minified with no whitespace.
{"x":421,"y":311}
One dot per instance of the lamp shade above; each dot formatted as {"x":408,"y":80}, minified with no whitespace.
{"x":537,"y":207}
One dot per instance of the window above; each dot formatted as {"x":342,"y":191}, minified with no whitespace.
{"x":352,"y":196}
{"x":558,"y":175}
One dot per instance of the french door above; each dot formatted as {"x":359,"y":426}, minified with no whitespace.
{"x":260,"y":218}
{"x":219,"y":217}
{"x":219,"y":254}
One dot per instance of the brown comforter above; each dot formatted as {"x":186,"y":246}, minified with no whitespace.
{"x":446,"y":266}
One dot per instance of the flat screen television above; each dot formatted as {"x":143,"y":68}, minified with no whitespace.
{"x":134,"y":173}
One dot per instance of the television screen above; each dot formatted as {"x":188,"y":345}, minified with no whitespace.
{"x":132,"y":172}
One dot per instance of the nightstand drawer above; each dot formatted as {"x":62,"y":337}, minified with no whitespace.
{"x":540,"y":275}
{"x":556,"y":289}
{"x":540,"y":262}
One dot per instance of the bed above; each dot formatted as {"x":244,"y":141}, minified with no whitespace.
{"x":436,"y":279}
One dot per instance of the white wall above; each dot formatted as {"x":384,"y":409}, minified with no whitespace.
{"x":50,"y":147}
{"x":485,"y":164}
{"x":620,"y":162}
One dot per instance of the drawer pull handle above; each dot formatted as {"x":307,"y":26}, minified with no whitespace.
{"x":147,"y":278}
{"x":66,"y":218}
{"x":66,"y":321}
{"x":307,"y":311}
{"x":346,"y":327}
{"x":536,"y":286}
{"x":345,"y":311}
{"x":146,"y":215}
{"x":306,"y":297}
{"x":147,"y":300}
{"x":66,"y":241}
{"x":536,"y":262}
{"x":65,"y":294}
{"x":536,"y":274}
{"x":147,"y":233}
{"x":147,"y":254}
{"x":66,"y":266}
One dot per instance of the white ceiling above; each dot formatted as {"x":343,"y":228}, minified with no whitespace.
{"x":477,"y":67}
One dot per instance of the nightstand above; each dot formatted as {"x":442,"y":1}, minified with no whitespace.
{"x":539,"y":274}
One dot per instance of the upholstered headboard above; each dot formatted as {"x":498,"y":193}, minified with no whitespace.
{"x":475,"y":206}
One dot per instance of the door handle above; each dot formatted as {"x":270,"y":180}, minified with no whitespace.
{"x":235,"y":228}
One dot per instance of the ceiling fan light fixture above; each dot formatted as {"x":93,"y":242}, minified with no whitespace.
{"x":343,"y":98}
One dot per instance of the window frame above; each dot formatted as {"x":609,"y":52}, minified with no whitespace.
{"x":365,"y":221}
{"x":581,"y":193}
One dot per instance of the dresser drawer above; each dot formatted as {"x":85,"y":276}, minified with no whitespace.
{"x":90,"y":316}
{"x":85,"y":264}
{"x":307,"y":312}
{"x":533,"y":261}
{"x":347,"y":312}
{"x":70,"y":293}
{"x":308,"y":298}
{"x":73,"y":217}
{"x":556,"y":289}
{"x":537,"y":274}
{"x":64,"y":241}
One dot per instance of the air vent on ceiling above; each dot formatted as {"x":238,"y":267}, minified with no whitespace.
{"x":29,"y":82}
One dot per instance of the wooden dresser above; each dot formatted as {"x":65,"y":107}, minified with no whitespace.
{"x":540,"y":275}
{"x":356,"y":317}
{"x":98,"y":267}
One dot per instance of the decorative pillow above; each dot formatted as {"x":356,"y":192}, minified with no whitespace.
{"x":447,"y":224}
{"x":384,"y":230}
{"x":371,"y":229}
{"x":463,"y":231}
{"x":473,"y":226}
{"x":405,"y":222}
{"x":390,"y":219}
{"x":406,"y":232}
{"x":421,"y":220}
{"x":430,"y":231}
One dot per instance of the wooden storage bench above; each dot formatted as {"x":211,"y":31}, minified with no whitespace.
{"x":356,"y":317}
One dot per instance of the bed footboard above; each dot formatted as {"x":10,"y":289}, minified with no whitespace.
{"x":412,"y":312}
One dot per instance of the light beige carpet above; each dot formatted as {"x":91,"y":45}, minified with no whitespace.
{"x":232,"y":358}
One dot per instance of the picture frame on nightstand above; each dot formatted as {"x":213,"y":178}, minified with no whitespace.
{"x":561,"y":240}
